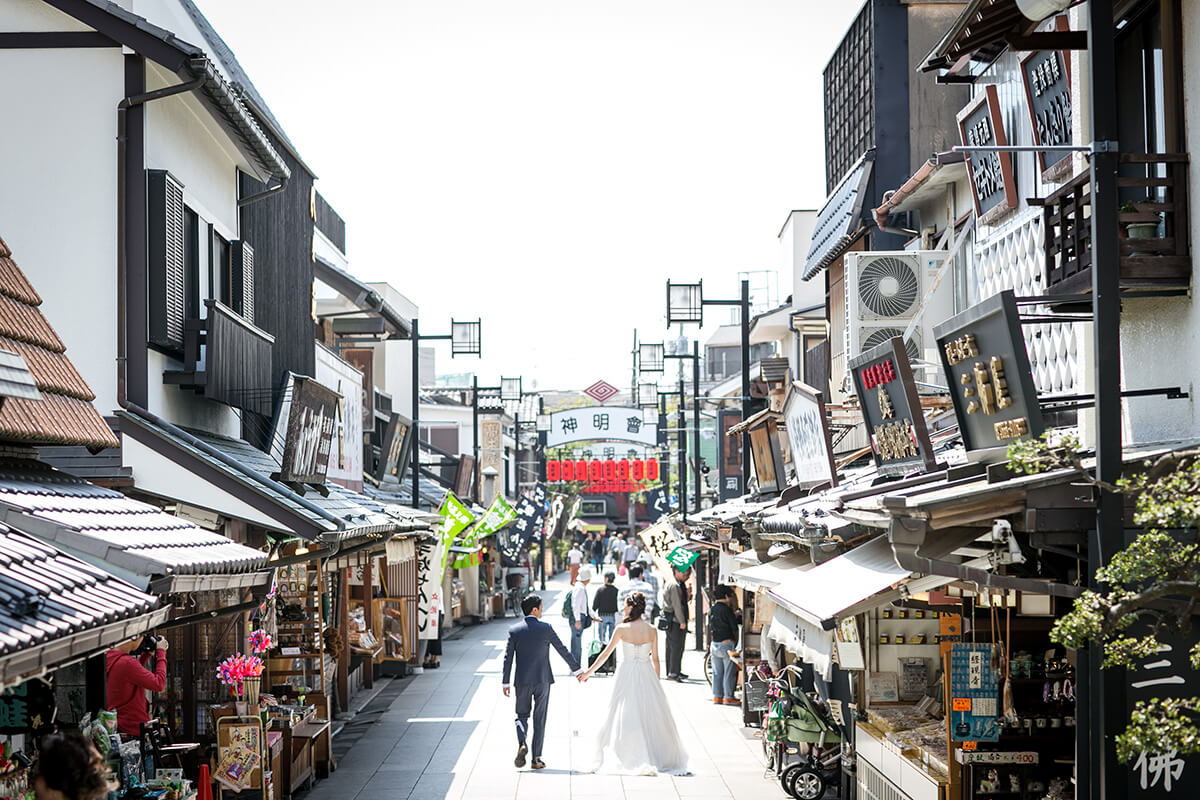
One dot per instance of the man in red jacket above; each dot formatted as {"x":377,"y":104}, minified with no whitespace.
{"x":128,"y":679}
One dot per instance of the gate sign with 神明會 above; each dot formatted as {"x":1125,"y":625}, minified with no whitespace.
{"x":596,"y":423}
{"x":991,"y":173}
{"x":431,"y":564}
{"x":891,"y":409}
{"x":310,"y":410}
{"x":991,"y":383}
{"x":530,"y":517}
{"x":808,"y":436}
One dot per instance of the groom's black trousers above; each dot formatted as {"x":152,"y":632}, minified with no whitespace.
{"x":537,"y":696}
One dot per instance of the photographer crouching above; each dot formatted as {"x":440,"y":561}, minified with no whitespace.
{"x":129,"y":679}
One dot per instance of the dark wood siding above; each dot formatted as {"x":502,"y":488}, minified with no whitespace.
{"x":280,"y":229}
{"x":330,"y":223}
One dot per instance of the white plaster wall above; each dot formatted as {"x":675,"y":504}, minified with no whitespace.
{"x":183,"y":406}
{"x":58,"y":190}
{"x":431,"y":413}
{"x":36,"y":15}
{"x":1160,"y":339}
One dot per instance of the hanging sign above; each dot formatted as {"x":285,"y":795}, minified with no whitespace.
{"x":597,"y":423}
{"x":397,"y":443}
{"x":682,"y":559}
{"x":992,"y":179}
{"x":530,"y":517}
{"x":730,"y":461}
{"x":764,"y":446}
{"x":991,"y":383}
{"x":307,"y":416}
{"x":974,"y":693}
{"x":656,"y":504}
{"x":604,"y":476}
{"x":659,"y":540}
{"x":808,"y":436}
{"x":499,"y":514}
{"x":1047,"y":78}
{"x":431,"y":564}
{"x":27,"y":708}
{"x":1167,"y":675}
{"x":891,"y":409}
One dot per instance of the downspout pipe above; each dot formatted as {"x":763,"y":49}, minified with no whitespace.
{"x":217,"y":455}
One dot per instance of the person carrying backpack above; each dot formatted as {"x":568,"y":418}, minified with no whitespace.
{"x":581,"y":613}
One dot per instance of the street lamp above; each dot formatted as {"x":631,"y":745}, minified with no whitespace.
{"x":681,"y":436}
{"x":647,"y":395}
{"x":511,"y":389}
{"x":685,"y":304}
{"x":650,"y":357}
{"x":464,"y":341}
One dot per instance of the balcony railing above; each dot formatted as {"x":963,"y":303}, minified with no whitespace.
{"x":226,"y":359}
{"x":1157,"y":257}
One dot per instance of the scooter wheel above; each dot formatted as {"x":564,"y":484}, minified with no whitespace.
{"x":803,"y":783}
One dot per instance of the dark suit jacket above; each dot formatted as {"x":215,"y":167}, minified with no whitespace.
{"x":530,"y":640}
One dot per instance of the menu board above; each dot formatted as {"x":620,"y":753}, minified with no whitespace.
{"x":991,"y":383}
{"x":974,"y":694}
{"x":891,"y":409}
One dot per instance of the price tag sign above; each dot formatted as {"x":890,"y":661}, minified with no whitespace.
{"x":961,"y":704}
{"x":970,"y":745}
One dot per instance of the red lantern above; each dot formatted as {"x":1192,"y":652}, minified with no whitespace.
{"x":638,"y":470}
{"x":623,"y":469}
{"x":581,"y":470}
{"x":610,"y":470}
{"x":595,"y":471}
{"x":651,"y":469}
{"x":552,"y":471}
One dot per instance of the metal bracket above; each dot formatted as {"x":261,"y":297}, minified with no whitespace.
{"x":1106,"y":147}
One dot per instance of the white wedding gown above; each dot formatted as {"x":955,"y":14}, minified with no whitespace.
{"x":638,"y":736}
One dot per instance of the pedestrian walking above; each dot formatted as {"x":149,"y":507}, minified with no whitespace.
{"x":597,"y":544}
{"x":637,"y":583}
{"x":574,"y":559}
{"x":581,"y":613}
{"x":630,"y":553}
{"x":605,"y":606}
{"x":723,"y":626}
{"x":675,"y":612}
{"x":649,"y":577}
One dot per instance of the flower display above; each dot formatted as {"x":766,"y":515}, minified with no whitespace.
{"x":235,"y":669}
{"x":260,"y":641}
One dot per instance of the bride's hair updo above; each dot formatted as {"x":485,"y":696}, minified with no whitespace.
{"x":637,"y":606}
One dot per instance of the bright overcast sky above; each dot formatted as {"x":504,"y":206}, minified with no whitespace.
{"x":547,"y":164}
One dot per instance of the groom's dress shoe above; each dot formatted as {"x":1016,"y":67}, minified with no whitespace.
{"x":538,"y":764}
{"x":520,"y":759}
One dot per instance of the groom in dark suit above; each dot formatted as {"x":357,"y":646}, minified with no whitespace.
{"x":530,"y":640}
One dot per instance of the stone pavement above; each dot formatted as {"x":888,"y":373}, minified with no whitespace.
{"x":450,"y":734}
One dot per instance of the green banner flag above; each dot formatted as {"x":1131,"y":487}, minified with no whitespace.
{"x":455,"y":518}
{"x":499,"y":514}
{"x":682,"y":559}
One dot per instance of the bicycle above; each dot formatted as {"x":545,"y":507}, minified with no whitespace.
{"x":798,"y":720}
{"x":518,"y":590}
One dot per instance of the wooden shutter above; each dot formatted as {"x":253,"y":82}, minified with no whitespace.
{"x":243,"y":279}
{"x":165,"y":250}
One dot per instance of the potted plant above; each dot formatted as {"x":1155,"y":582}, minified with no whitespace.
{"x":1145,"y":224}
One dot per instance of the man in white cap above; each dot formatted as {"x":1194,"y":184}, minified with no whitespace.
{"x":581,"y":614}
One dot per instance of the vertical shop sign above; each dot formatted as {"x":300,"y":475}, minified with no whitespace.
{"x":991,"y":383}
{"x":991,"y":173}
{"x":1047,"y":78}
{"x":974,"y":694}
{"x":1167,"y":674}
{"x":394,"y":460}
{"x":764,"y":446}
{"x":311,"y":413}
{"x":808,"y":436}
{"x":431,"y":564}
{"x":363,"y":359}
{"x":530,"y":517}
{"x":730,"y":472}
{"x":891,"y":409}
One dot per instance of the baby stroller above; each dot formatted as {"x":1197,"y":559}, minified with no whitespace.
{"x":800,"y":726}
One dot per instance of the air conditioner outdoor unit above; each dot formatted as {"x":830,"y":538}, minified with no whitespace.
{"x":885,"y":291}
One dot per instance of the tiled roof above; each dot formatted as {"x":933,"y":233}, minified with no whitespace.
{"x":65,"y":414}
{"x":47,"y":595}
{"x":131,"y":537}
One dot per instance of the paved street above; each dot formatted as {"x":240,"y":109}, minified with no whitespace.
{"x":449,"y":734}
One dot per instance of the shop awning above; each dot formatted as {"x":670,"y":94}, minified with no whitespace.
{"x":823,"y":594}
{"x":135,"y":541}
{"x":56,"y":609}
{"x":840,"y":220}
{"x":804,"y":640}
{"x":772,"y":573}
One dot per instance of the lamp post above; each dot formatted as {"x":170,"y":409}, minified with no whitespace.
{"x":695,"y":357}
{"x":685,"y":304}
{"x":464,"y":340}
{"x":681,"y":436}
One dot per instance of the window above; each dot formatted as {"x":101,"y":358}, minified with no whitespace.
{"x":222,"y":270}
{"x":593,"y":508}
{"x":166,"y":259}
{"x":441,"y":435}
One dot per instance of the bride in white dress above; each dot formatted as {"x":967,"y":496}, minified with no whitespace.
{"x":638,"y":736}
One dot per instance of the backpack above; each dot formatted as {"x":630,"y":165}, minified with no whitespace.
{"x":566,"y":609}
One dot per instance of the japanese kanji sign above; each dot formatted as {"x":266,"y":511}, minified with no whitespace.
{"x":974,"y":693}
{"x":891,"y":409}
{"x":1168,"y":674}
{"x":991,"y":173}
{"x":682,"y":559}
{"x":431,"y":564}
{"x":1047,"y":78}
{"x":27,"y":708}
{"x":597,"y":423}
{"x":991,"y":383}
{"x":808,"y":436}
{"x":307,"y":416}
{"x":530,"y":517}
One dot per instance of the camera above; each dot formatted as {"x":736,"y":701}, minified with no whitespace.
{"x":147,"y":646}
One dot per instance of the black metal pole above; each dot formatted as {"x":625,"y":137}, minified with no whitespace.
{"x":666,"y":460}
{"x":682,"y":435}
{"x":745,"y":382}
{"x":514,"y":490}
{"x":541,"y":476}
{"x":416,"y":416}
{"x":696,"y":418}
{"x":700,"y":568}
{"x":1106,"y":695}
{"x":475,"y":437}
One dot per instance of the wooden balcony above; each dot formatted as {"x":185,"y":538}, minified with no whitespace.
{"x":228,"y":360}
{"x":1161,"y":261}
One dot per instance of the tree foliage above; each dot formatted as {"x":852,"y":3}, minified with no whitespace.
{"x":1147,"y":591}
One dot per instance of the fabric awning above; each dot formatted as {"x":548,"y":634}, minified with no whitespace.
{"x":804,"y":640}
{"x":772,"y":573}
{"x":840,"y":219}
{"x":823,"y":594}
